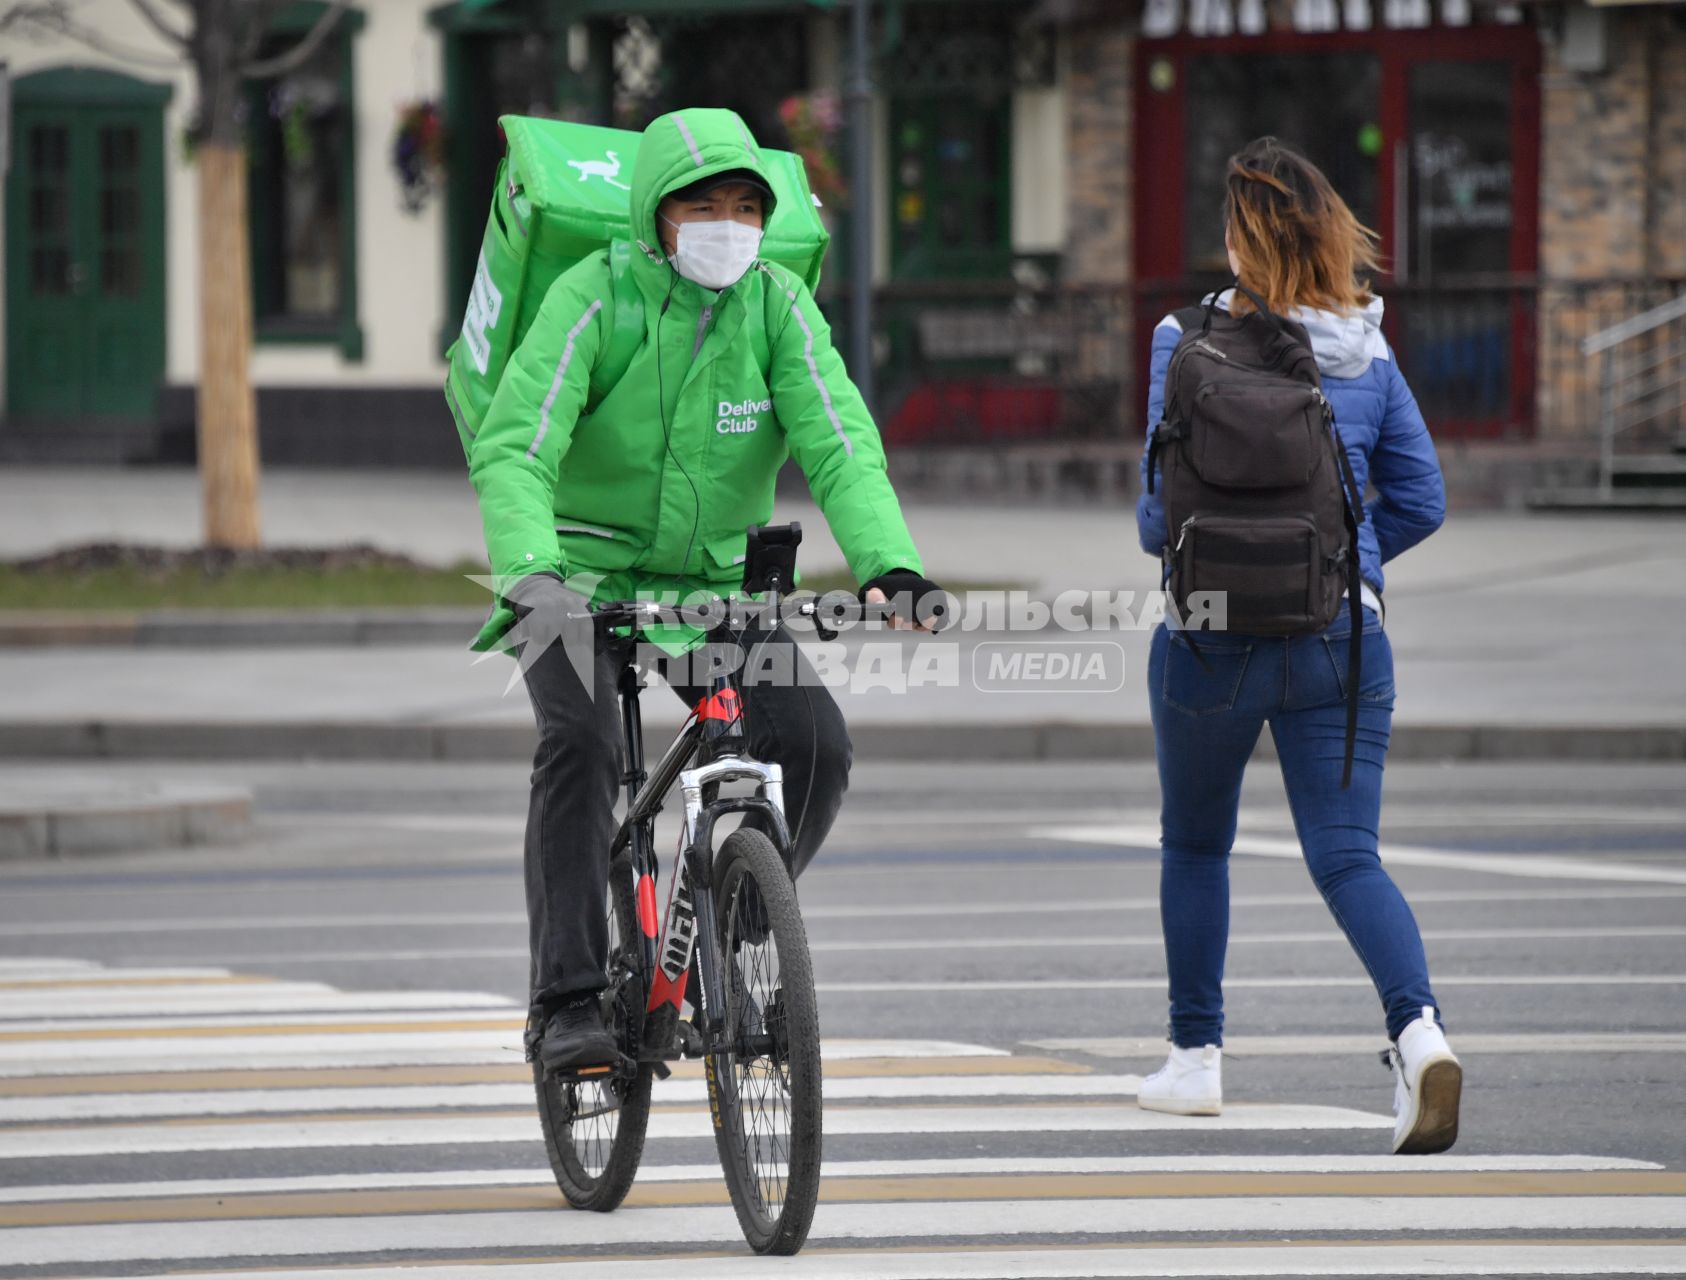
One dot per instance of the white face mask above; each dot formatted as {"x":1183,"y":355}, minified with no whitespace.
{"x":715,"y":254}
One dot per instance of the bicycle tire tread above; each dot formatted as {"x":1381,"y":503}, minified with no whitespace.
{"x":789,"y":1231}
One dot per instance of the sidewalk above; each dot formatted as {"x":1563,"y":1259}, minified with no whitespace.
{"x":1513,"y":635}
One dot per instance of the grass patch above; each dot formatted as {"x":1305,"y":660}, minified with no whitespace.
{"x":109,"y":576}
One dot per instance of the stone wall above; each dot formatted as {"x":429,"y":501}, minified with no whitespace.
{"x":1612,"y":202}
{"x":1100,"y":62}
{"x":1668,"y":153}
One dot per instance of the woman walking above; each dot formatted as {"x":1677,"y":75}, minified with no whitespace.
{"x":1297,"y":250}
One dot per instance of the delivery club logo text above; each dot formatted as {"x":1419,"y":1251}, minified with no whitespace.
{"x":740,"y":419}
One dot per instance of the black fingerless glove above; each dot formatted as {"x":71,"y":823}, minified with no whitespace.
{"x":913,"y":595}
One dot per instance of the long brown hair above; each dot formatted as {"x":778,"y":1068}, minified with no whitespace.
{"x":1298,"y":243}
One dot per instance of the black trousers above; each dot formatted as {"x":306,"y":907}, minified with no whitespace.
{"x":792,"y":719}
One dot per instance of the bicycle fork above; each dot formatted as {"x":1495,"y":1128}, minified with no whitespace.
{"x":691,"y":907}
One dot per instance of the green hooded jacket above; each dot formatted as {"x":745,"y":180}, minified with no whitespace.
{"x":652,"y":491}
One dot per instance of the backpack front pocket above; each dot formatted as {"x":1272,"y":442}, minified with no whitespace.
{"x":1255,"y":433}
{"x":1268,"y":569}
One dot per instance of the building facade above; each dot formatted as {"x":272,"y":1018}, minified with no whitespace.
{"x":1048,"y":185}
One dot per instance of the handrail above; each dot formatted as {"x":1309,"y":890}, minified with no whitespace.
{"x":1634,"y":326}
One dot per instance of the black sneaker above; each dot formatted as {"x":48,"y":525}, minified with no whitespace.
{"x":575,"y":1037}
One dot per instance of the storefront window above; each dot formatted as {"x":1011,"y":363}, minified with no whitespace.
{"x":300,"y":134}
{"x":1460,"y":195}
{"x":296,"y":153}
{"x":1454,"y":332}
{"x":1232,"y":100}
{"x":949,"y":186}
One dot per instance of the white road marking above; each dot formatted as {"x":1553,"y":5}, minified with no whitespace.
{"x":1265,"y":818}
{"x":1267,"y":1215}
{"x":1055,"y":985}
{"x":233,"y":1102}
{"x":815,"y":912}
{"x":817,"y":942}
{"x":375,"y":1049}
{"x":13,"y":968}
{"x":257,"y":999}
{"x":246,"y":1020}
{"x":270,"y":1053}
{"x":1313,"y":1046}
{"x":1532,"y":813}
{"x":1530,"y":866}
{"x":475,"y":824}
{"x":251,"y":924}
{"x":710,"y":1172}
{"x":91,"y":978}
{"x":271,"y":959}
{"x":1156,"y":939}
{"x":284,"y":1135}
{"x":1413,"y":1258}
{"x":99,"y":1054}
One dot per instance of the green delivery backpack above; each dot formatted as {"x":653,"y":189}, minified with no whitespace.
{"x":563,"y":193}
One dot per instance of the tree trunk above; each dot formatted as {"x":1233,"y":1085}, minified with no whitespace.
{"x":228,"y":434}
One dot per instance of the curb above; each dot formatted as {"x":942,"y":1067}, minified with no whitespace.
{"x":237,"y":628}
{"x":1047,"y":740}
{"x":97,"y":819}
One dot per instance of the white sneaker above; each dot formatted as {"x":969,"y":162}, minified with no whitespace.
{"x":1189,"y":1084}
{"x":1428,"y":1080}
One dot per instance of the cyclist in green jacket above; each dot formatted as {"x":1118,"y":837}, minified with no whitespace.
{"x":651,"y":493}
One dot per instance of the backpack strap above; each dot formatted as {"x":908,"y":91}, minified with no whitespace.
{"x":626,"y":331}
{"x":755,"y":325}
{"x":1352,"y":509}
{"x":1188,"y":320}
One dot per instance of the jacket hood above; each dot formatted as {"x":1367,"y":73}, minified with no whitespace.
{"x":677,"y":149}
{"x":1344,"y":342}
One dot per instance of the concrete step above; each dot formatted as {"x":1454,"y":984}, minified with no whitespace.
{"x":1652,"y":470}
{"x":56,"y":816}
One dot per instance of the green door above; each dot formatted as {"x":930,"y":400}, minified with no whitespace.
{"x":951,"y":187}
{"x":85,"y":247}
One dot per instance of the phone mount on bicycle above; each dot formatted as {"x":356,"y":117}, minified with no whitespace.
{"x":769,"y":562}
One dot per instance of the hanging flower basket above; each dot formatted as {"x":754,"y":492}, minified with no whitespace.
{"x":418,"y":153}
{"x":813,"y":121}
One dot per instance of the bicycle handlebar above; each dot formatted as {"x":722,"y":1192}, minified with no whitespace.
{"x":644,"y":613}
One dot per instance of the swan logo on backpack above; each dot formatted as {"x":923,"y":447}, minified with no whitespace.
{"x":605,"y":169}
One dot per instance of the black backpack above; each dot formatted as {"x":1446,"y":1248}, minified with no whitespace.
{"x":1260,"y":499}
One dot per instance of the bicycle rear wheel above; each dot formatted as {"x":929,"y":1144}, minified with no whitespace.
{"x":765,"y":1086}
{"x":594,"y":1128}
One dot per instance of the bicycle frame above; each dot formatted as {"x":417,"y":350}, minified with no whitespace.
{"x":715,"y":739}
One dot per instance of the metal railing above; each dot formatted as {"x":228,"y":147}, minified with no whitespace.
{"x":1031,"y":363}
{"x":1642,"y":381}
{"x":995,"y":362}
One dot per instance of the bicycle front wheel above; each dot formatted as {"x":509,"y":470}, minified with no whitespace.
{"x":764,"y":1086}
{"x":594,"y":1128}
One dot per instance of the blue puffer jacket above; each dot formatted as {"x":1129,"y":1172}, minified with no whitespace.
{"x":1378,"y":421}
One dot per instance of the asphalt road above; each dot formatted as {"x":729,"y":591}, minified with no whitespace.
{"x":302,"y":1053}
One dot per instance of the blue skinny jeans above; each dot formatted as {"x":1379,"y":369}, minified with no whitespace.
{"x":1205,"y":723}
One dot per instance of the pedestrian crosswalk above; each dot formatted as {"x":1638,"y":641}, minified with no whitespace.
{"x":200,"y":1121}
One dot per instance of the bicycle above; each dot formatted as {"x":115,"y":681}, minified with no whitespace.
{"x":734,"y":929}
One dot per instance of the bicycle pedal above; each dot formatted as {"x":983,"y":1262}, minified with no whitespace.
{"x":623,"y":1068}
{"x":660,"y":1070}
{"x":690,"y":1040}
